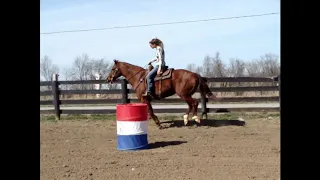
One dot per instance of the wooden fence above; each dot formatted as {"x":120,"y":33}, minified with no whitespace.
{"x":124,"y":91}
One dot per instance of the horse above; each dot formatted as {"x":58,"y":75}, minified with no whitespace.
{"x":172,"y":81}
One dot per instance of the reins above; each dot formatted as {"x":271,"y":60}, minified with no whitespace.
{"x":140,"y":80}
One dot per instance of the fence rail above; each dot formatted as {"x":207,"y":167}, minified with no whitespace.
{"x":224,"y":79}
{"x":124,"y":91}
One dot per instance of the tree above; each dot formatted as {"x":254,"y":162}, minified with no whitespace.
{"x":81,"y":68}
{"x":99,"y":66}
{"x":236,"y":68}
{"x":270,"y":65}
{"x":47,"y":68}
{"x":218,"y":67}
{"x":207,"y":67}
{"x":194,"y":68}
{"x":85,"y":68}
{"x":191,"y":67}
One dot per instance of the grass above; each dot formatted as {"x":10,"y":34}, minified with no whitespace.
{"x":93,"y":105}
{"x":133,"y":96}
{"x":103,"y":117}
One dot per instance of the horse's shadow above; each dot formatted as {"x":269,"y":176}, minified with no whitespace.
{"x":165,"y":143}
{"x":205,"y":122}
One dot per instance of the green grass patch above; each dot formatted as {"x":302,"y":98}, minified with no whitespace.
{"x":79,"y":117}
{"x":222,"y":116}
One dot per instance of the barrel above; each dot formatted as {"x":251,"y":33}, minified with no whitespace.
{"x":132,"y":126}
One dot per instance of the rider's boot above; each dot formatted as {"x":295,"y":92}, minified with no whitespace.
{"x":149,"y":93}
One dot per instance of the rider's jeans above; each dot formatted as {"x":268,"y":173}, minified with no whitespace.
{"x":150,"y":78}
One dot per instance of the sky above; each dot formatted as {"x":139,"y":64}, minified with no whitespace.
{"x":243,"y":38}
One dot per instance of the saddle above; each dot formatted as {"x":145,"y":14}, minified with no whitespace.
{"x":166,"y":73}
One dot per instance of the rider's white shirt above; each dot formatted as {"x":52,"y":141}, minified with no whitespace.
{"x":160,"y":56}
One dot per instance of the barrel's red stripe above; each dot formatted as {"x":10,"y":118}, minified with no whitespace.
{"x":132,"y":120}
{"x":132,"y":112}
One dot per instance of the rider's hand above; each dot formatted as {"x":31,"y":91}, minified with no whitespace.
{"x":158,"y":72}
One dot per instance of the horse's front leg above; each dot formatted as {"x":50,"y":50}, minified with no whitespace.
{"x":151,"y":113}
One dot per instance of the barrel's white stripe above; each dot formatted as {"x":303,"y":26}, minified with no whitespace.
{"x":132,"y":127}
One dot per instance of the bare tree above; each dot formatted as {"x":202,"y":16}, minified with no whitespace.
{"x":199,"y":70}
{"x":191,"y":67}
{"x":47,"y":68}
{"x":81,"y":68}
{"x":213,"y":67}
{"x":85,"y":68}
{"x":254,"y":68}
{"x":219,"y":68}
{"x":99,"y":66}
{"x":194,"y":68}
{"x":270,"y":65}
{"x":207,"y":70}
{"x":236,"y":68}
{"x":67,"y":74}
{"x":102,"y":67}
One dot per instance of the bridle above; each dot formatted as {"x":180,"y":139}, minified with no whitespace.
{"x":115,"y":70}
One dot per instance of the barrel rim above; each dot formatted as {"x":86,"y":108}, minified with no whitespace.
{"x":132,"y":104}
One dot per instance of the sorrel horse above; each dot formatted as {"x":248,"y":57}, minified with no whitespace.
{"x":172,"y":81}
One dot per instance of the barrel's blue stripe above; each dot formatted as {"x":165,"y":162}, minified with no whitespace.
{"x":132,"y":142}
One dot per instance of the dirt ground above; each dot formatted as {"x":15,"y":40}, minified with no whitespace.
{"x":86,"y":149}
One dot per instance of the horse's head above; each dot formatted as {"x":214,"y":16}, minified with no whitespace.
{"x":114,"y":73}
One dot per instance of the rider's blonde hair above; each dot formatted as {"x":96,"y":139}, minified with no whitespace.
{"x":157,"y":42}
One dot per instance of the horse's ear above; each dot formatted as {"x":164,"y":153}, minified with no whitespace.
{"x":115,"y":61}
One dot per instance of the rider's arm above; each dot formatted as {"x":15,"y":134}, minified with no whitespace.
{"x":160,"y":57}
{"x":153,"y":60}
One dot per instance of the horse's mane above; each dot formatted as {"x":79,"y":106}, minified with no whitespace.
{"x":132,"y":65}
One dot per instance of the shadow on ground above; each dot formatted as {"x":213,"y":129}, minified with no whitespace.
{"x":165,"y":143}
{"x":207,"y":122}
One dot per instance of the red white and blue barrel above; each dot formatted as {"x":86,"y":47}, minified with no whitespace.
{"x":132,"y":126}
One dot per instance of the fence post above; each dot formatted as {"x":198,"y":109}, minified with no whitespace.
{"x":204,"y":106}
{"x":55,"y":93}
{"x":124,"y":91}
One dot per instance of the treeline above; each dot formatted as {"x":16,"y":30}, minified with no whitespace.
{"x":267,"y":65}
{"x":86,"y":68}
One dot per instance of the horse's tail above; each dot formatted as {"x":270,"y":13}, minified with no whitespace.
{"x":204,"y":89}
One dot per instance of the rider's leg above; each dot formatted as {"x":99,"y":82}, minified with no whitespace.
{"x":150,"y":78}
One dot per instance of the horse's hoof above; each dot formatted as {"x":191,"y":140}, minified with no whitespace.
{"x":196,"y":118}
{"x":160,"y":127}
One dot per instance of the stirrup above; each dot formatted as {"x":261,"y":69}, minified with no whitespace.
{"x":149,"y":94}
{"x":145,"y":94}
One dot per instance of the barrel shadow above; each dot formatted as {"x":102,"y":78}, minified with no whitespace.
{"x":206,"y":122}
{"x":160,"y":144}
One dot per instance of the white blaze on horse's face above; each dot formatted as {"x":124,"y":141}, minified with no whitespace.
{"x":113,"y":75}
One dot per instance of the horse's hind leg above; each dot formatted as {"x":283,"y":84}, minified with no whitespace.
{"x":195,"y":104}
{"x":188,"y":100}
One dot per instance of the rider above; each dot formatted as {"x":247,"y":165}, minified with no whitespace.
{"x":160,"y":64}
